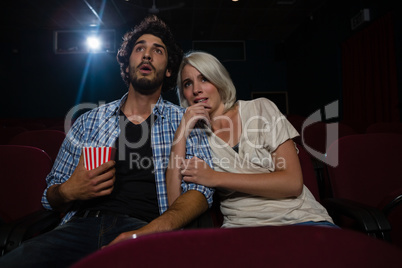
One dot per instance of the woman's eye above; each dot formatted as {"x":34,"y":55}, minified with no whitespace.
{"x":186,"y":84}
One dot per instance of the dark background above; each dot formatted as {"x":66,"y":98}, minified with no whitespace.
{"x":289,"y":46}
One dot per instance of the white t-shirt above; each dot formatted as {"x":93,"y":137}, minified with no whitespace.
{"x":264,"y":128}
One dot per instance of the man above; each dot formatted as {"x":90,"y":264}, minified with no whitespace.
{"x":126,"y":197}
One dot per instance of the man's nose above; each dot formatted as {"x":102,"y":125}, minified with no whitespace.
{"x":147,"y":55}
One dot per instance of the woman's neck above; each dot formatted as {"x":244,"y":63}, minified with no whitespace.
{"x":227,"y":125}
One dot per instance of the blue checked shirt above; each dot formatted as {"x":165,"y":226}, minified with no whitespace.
{"x":100,"y":127}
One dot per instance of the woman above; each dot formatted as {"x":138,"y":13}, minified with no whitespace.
{"x":256,"y":168}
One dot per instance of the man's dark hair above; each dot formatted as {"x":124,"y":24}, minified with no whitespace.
{"x":155,"y":26}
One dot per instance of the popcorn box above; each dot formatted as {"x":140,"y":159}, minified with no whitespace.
{"x":96,"y":156}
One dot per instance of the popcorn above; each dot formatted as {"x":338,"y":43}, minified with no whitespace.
{"x":96,"y":156}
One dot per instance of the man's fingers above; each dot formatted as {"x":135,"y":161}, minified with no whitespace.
{"x":105,"y":166}
{"x":104,"y":177}
{"x":105,"y":185}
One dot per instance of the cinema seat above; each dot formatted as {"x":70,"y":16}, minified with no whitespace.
{"x":369,"y":174}
{"x":23,"y":171}
{"x":48,"y":140}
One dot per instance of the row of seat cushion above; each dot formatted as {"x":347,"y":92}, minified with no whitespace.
{"x":284,"y":246}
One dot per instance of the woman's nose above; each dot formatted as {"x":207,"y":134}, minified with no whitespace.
{"x":197,"y":89}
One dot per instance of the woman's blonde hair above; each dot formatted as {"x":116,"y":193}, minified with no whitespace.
{"x":213,"y":70}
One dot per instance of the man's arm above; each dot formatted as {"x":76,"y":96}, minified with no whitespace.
{"x":185,"y":209}
{"x":192,"y":115}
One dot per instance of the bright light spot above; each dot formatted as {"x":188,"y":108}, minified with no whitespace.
{"x":93,"y":43}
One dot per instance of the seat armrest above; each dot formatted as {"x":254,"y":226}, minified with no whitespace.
{"x":370,"y":220}
{"x":5,"y":231}
{"x":391,"y":201}
{"x":13,"y":234}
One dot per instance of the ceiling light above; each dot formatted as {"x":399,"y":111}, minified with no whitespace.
{"x":84,"y":41}
{"x":93,"y":43}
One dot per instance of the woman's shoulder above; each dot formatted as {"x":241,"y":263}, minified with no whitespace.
{"x":259,"y":105}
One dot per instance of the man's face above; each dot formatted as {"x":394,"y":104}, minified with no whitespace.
{"x":148,"y":64}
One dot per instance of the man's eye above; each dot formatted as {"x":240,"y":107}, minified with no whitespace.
{"x":159,"y":51}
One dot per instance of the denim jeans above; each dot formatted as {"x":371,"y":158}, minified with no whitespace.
{"x":70,"y":242}
{"x":318,"y":223}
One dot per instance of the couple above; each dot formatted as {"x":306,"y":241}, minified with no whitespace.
{"x":118,"y":201}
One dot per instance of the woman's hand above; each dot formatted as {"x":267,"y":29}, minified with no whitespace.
{"x":193,"y":114}
{"x":197,"y":171}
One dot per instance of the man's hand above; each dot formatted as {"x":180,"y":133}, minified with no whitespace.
{"x":87,"y":184}
{"x":82,"y":185}
{"x":130,"y":235}
{"x":185,"y":209}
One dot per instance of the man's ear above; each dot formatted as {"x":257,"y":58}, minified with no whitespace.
{"x":168,"y":73}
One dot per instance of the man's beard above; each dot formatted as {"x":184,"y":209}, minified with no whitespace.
{"x":144,"y":85}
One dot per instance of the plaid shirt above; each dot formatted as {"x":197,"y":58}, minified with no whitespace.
{"x":100,"y":127}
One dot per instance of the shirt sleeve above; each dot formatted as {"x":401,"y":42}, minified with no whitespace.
{"x":66,"y":161}
{"x":278,"y":128}
{"x":197,"y":145}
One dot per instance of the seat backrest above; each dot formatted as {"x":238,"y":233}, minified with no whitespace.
{"x":369,"y":167}
{"x":315,"y":135}
{"x":23,"y":170}
{"x":48,"y":140}
{"x":7,"y":133}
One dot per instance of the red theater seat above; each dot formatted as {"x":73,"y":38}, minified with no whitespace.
{"x":287,"y":246}
{"x":23,"y":172}
{"x":48,"y":140}
{"x":369,"y":173}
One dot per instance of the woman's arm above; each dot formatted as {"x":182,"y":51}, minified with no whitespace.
{"x":178,"y":150}
{"x":286,"y":181}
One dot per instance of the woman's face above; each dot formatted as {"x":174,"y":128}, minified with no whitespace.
{"x":196,"y":89}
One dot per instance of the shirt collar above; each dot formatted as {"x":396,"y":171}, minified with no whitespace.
{"x":115,"y":110}
{"x":159,"y":106}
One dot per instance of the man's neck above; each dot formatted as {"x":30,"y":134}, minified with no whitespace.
{"x":138,"y":107}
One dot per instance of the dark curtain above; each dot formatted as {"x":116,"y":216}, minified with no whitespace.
{"x":370,"y":92}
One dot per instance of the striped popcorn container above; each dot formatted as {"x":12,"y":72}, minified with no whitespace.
{"x":96,"y":156}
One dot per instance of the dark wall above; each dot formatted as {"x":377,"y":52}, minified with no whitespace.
{"x":38,"y":83}
{"x":313,"y":53}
